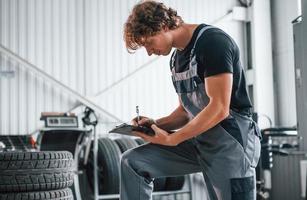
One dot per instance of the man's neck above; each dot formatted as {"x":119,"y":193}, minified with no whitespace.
{"x":183,"y":35}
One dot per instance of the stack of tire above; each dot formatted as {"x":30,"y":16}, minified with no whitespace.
{"x":42,"y":175}
{"x":109,"y":153}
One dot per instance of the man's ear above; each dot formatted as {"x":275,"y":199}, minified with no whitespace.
{"x":165,"y":28}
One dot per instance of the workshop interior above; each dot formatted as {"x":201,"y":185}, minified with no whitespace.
{"x":68,"y":87}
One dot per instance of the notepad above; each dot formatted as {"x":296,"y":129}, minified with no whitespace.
{"x":126,"y":129}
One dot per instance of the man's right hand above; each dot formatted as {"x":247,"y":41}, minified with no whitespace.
{"x":144,"y":121}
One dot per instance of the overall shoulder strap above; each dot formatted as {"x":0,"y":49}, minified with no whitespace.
{"x":172,"y":60}
{"x":198,"y":36}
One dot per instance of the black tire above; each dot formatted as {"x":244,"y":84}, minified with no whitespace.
{"x":174,"y":183}
{"x":125,"y":143}
{"x":64,"y":194}
{"x":35,"y":171}
{"x":108,"y":166}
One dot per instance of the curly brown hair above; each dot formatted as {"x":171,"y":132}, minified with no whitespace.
{"x":147,"y":19}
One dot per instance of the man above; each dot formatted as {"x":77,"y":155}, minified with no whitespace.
{"x":215,"y":133}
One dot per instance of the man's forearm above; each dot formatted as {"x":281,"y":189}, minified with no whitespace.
{"x":201,"y":122}
{"x":175,"y":120}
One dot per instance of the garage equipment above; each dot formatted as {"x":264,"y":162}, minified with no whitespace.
{"x":300,"y":51}
{"x":279,"y":147}
{"x":61,"y":121}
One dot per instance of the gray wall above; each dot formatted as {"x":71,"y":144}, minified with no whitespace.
{"x":283,"y":13}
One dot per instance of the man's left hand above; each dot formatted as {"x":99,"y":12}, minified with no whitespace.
{"x":161,"y":137}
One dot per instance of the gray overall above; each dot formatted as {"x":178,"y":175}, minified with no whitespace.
{"x":227,"y":154}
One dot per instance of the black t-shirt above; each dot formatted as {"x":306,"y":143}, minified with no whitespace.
{"x":216,"y":53}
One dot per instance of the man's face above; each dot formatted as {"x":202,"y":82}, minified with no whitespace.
{"x":159,"y":44}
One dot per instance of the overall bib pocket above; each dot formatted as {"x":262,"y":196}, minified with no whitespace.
{"x":187,"y":86}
